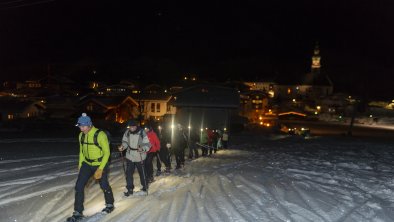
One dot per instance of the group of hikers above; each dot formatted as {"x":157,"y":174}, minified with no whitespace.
{"x":139,"y":146}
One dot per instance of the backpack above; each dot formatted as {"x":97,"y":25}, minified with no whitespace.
{"x":141,"y":132}
{"x":82,"y":141}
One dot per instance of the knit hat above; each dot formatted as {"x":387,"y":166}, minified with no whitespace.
{"x":131,"y":123}
{"x":84,"y":120}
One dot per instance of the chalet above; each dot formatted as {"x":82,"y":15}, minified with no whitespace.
{"x":155,"y":103}
{"x":109,"y":108}
{"x":12,"y":109}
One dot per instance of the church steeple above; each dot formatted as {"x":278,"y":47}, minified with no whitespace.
{"x":316,"y":60}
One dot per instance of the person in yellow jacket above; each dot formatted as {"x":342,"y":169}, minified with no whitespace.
{"x":93,"y":161}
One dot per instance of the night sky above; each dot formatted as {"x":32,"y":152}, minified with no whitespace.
{"x":249,"y":40}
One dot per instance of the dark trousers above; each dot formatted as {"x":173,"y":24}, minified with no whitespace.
{"x":213,"y":147}
{"x":84,"y":175}
{"x":149,"y":165}
{"x":224,"y":143}
{"x":158,"y":161}
{"x":193,"y":151}
{"x":130,"y":171}
{"x":204,"y":149}
{"x":165,"y":157}
{"x":179,"y":157}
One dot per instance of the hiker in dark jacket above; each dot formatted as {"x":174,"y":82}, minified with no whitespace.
{"x":193,"y":139}
{"x":178,"y":145}
{"x":164,"y":152}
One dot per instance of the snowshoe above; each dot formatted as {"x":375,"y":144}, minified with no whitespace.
{"x":128,"y":193}
{"x":150,"y":180}
{"x":75,"y":217}
{"x":108,"y":208}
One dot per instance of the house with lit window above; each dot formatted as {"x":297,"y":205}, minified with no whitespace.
{"x":109,"y":108}
{"x":155,"y":103}
{"x":13,"y":109}
{"x":254,"y":105}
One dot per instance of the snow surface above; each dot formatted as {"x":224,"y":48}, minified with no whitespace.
{"x":261,"y":178}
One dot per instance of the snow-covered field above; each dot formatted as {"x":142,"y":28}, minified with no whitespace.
{"x":261,"y":178}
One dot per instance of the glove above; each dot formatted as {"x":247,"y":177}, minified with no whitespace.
{"x":120,"y":148}
{"x":98,"y":174}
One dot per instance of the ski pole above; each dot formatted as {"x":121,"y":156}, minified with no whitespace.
{"x":122,"y":156}
{"x":143,"y":172}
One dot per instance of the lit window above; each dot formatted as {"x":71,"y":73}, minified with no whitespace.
{"x":10,"y":116}
{"x":89,"y":107}
{"x":158,"y":107}
{"x":152,"y":107}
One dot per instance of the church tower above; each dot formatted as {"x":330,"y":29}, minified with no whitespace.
{"x":316,"y":61}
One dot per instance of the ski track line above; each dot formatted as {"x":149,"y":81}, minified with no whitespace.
{"x":218,"y":200}
{"x":236,"y":199}
{"x":34,"y":179}
{"x":185,"y":211}
{"x":199,"y":203}
{"x":23,"y":168}
{"x":69,"y":158}
{"x":203,"y":210}
{"x":34,"y":194}
{"x":173,"y":210}
{"x":336,"y":207}
{"x":348,"y":214}
{"x":64,"y":204}
{"x":33,"y":182}
{"x":47,"y":208}
{"x":196,"y":198}
{"x":226,"y":197}
{"x":32,"y":168}
{"x":276,"y":196}
{"x":253,"y":188}
{"x":319,"y":214}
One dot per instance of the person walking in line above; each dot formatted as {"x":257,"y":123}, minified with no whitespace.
{"x":204,"y":142}
{"x":193,"y":149}
{"x":164,"y":152}
{"x":225,"y":139}
{"x":153,"y":152}
{"x":136,"y":143}
{"x":178,"y":145}
{"x":94,"y":153}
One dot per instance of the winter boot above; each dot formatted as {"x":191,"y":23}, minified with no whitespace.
{"x":77,"y":216}
{"x":108,"y":208}
{"x":158,"y":173}
{"x":128,"y":193}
